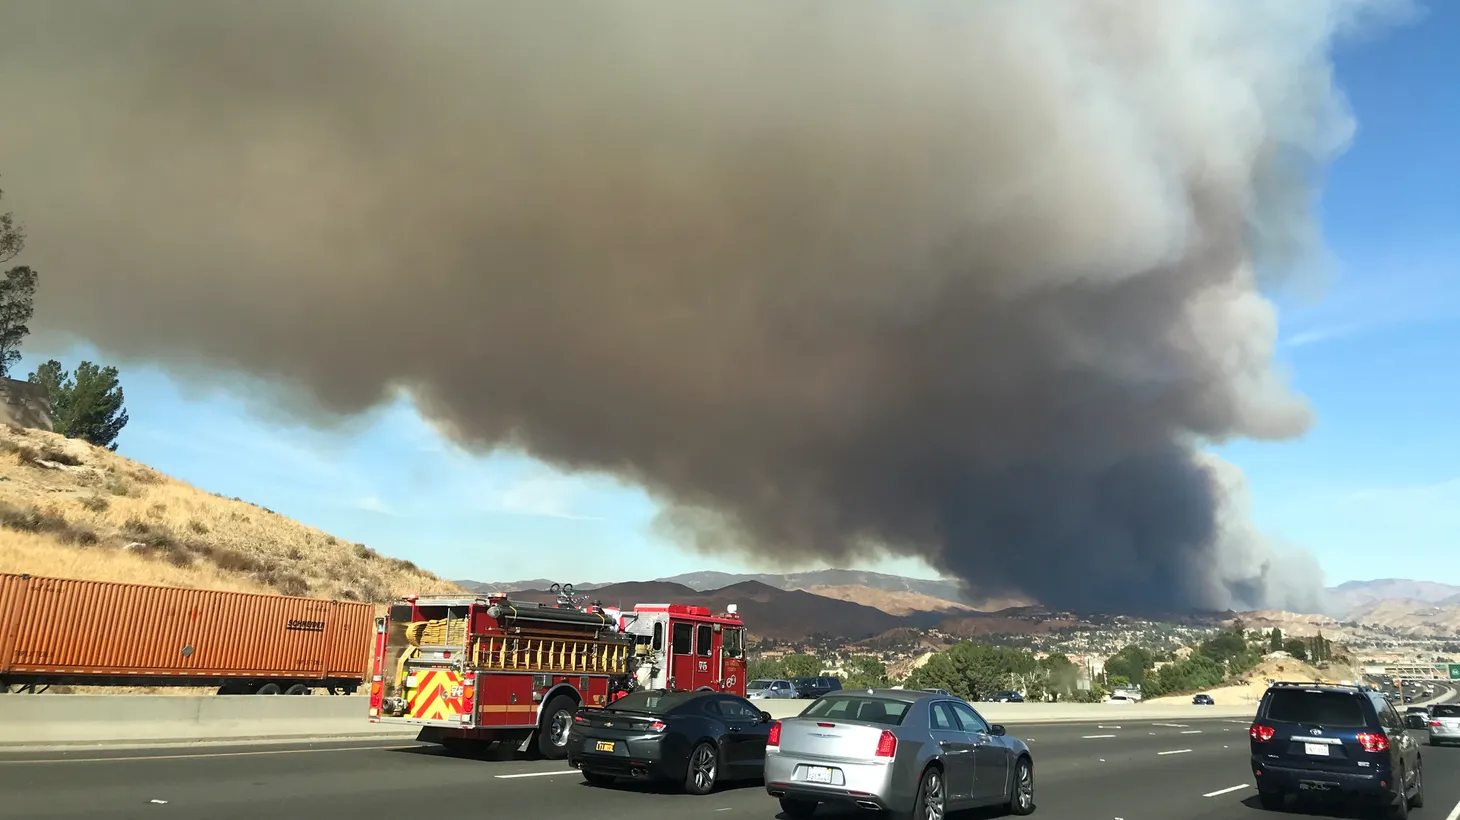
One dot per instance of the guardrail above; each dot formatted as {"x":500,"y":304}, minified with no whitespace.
{"x":39,"y":720}
{"x":1025,"y":713}
{"x":42,"y":720}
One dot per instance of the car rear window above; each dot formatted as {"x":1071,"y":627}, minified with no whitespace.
{"x":869,"y":709}
{"x":1321,"y":708}
{"x":1445,"y":710}
{"x":651,"y":703}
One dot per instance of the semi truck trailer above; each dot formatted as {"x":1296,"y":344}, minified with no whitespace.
{"x":58,"y":631}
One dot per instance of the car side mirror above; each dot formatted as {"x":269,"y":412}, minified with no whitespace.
{"x":998,"y":730}
{"x":765,"y":716}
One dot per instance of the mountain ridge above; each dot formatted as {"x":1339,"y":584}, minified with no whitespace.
{"x":1407,"y":606}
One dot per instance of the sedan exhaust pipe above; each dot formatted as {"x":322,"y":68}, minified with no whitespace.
{"x":868,"y":805}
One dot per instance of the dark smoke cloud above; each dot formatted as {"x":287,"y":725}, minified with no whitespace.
{"x":966,"y":281}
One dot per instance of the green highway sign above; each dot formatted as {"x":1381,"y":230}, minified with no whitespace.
{"x":1455,"y":671}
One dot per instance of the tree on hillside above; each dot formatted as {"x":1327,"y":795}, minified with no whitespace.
{"x":86,"y":404}
{"x":12,"y":236}
{"x":974,"y":671}
{"x":17,"y":293}
{"x":1062,"y":677}
{"x":1131,"y":663}
{"x":864,"y":672}
{"x":765,"y":668}
{"x":1275,"y":640}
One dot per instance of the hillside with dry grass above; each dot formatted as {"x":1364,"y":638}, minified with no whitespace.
{"x":893,"y":603}
{"x":1250,"y":686}
{"x":72,"y":510}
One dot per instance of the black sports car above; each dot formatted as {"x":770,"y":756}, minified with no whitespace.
{"x":693,"y":738}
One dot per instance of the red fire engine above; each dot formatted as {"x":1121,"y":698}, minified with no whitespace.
{"x":488,"y":668}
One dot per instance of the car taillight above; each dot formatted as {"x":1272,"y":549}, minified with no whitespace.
{"x":1436,"y":723}
{"x":886,"y":744}
{"x":1260,"y":733}
{"x":774,"y":738}
{"x":1372,"y":742}
{"x":657,"y":726}
{"x":579,"y":719}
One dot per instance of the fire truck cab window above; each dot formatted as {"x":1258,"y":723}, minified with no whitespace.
{"x":683,"y":634}
{"x":705,"y":640}
{"x":730,"y":643}
{"x":658,"y":636}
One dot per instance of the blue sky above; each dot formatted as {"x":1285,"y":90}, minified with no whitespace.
{"x":1373,"y":490}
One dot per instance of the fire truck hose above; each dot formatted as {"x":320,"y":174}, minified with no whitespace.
{"x":419,"y":634}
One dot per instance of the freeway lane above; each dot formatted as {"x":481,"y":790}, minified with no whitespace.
{"x":1194,"y":771}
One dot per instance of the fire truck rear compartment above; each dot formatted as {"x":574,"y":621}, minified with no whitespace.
{"x":476,"y":670}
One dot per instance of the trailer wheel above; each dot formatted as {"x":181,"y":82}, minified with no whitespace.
{"x":297,"y":689}
{"x":268,"y":689}
{"x":552,"y":730}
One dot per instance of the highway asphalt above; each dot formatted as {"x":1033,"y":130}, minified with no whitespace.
{"x":1130,"y":770}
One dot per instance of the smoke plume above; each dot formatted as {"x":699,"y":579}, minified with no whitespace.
{"x":970,"y":281}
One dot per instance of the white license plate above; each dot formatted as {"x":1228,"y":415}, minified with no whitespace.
{"x":818,"y":774}
{"x":1316,"y":749}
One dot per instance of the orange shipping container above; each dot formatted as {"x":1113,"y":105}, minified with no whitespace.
{"x":55,"y":630}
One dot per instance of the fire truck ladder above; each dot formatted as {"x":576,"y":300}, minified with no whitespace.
{"x":552,"y":655}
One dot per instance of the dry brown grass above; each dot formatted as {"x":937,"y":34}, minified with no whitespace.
{"x":71,"y":510}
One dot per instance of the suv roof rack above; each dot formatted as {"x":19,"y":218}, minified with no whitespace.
{"x":1312,"y":683}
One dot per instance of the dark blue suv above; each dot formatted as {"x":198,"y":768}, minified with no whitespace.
{"x":1334,"y":741}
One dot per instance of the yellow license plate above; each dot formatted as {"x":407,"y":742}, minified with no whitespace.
{"x":605,"y":746}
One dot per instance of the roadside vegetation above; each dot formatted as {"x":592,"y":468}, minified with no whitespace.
{"x":72,"y":509}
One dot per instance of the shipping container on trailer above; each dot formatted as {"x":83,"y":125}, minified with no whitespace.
{"x":487,"y":668}
{"x":57,"y":631}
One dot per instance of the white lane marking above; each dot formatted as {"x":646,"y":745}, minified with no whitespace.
{"x":1172,"y":725}
{"x":1107,"y":727}
{"x":1094,"y":737}
{"x":1228,"y":790}
{"x":1454,"y":813}
{"x":201,"y":756}
{"x":1192,"y":732}
{"x":1176,"y":752}
{"x":535,"y":774}
{"x":727,"y":808}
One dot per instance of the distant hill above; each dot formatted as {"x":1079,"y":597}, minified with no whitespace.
{"x":951,"y":592}
{"x":768,"y":611}
{"x":1419,"y":608}
{"x":1355,"y":594}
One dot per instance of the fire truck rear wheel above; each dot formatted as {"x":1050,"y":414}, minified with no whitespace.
{"x":552,"y":730}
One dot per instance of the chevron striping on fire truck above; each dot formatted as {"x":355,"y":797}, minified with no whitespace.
{"x":482,"y":669}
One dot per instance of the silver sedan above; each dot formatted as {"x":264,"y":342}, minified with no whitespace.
{"x":915,"y":754}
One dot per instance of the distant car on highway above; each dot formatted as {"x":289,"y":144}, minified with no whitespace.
{"x":770,"y":689}
{"x":944,"y":692}
{"x":1009,"y":696}
{"x":1120,"y":700}
{"x":1203,"y":700}
{"x":1416,"y":717}
{"x":815,"y":687}
{"x":911,"y":753}
{"x":1444,"y":723}
{"x":694,"y":738}
{"x":1333,"y":741}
